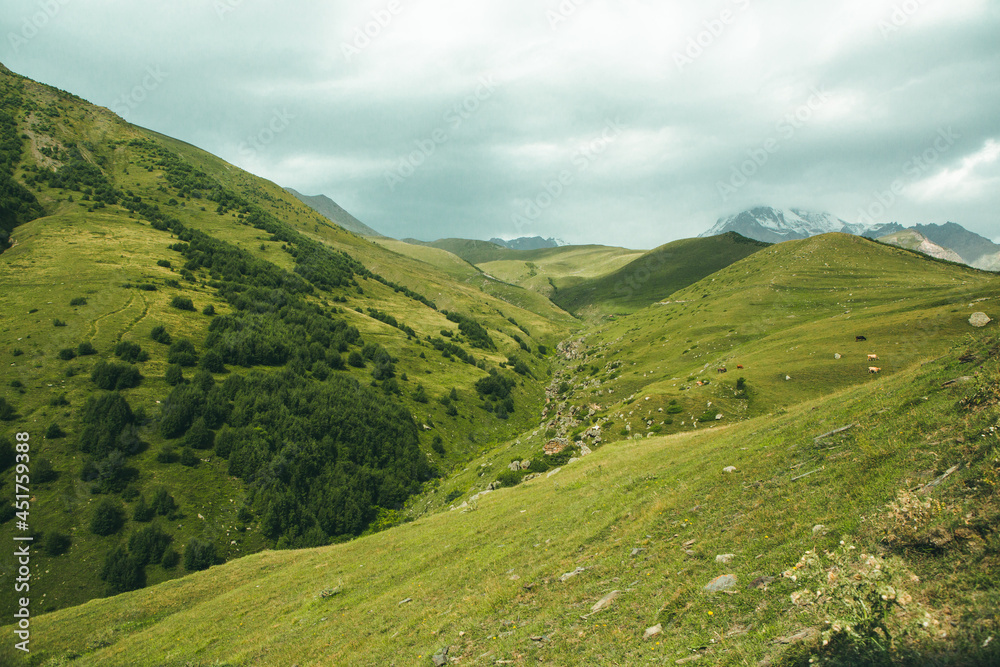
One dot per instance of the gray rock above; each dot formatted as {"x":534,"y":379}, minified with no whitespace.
{"x":722,"y":583}
{"x":979,"y":320}
{"x":729,"y":469}
{"x":570,"y":575}
{"x":818,"y":528}
{"x":725,"y":558}
{"x":441,"y":657}
{"x":761,"y":582}
{"x":653,"y":631}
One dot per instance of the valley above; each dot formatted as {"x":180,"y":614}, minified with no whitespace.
{"x":262,"y":433}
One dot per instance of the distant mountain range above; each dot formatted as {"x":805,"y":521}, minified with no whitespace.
{"x":332,"y":211}
{"x":529,"y":243}
{"x":950,"y":241}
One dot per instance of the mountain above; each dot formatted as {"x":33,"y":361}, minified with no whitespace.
{"x":911,"y":239}
{"x":529,"y":243}
{"x":974,"y":249}
{"x":330,"y":210}
{"x":772,"y":225}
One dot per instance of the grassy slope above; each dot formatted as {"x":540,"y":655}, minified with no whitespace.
{"x":485,"y":582}
{"x":654,"y":275}
{"x":75,"y":253}
{"x":557,"y":268}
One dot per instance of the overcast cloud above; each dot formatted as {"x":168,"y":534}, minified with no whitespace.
{"x":628,"y":123}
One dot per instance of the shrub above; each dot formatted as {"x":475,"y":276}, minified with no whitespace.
{"x":108,"y":518}
{"x":208,"y":310}
{"x":182,"y":303}
{"x":54,"y":432}
{"x":453,"y":496}
{"x":164,"y":503}
{"x":142,"y":512}
{"x":355,"y":359}
{"x":420,"y":394}
{"x":7,"y":411}
{"x":148,"y":544}
{"x":198,"y":436}
{"x":199,"y":555}
{"x":167,"y":454}
{"x":44,"y":472}
{"x":56,"y":543}
{"x":78,"y":301}
{"x":160,"y":335}
{"x":438,"y":445}
{"x":67,"y":353}
{"x":122,"y":572}
{"x":509,"y":478}
{"x":175,"y":375}
{"x":131,"y":352}
{"x":164,"y":263}
{"x":115,"y":377}
{"x":58,"y":323}
{"x":182,"y":352}
{"x":212,"y":362}
{"x":188,"y":458}
{"x":170,"y":558}
{"x":85,"y":349}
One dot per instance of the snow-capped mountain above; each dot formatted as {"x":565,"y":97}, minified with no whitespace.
{"x":529,"y":243}
{"x":774,"y":225}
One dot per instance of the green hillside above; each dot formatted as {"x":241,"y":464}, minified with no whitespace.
{"x":655,"y":275}
{"x":548,"y":269}
{"x":519,"y":576}
{"x":473,"y":252}
{"x":145,"y":242}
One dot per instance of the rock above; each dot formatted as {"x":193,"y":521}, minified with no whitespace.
{"x":585,"y":450}
{"x":761,"y":582}
{"x":979,"y":320}
{"x":690,"y":658}
{"x":441,"y":657}
{"x":406,"y":601}
{"x":809,"y":634}
{"x":818,"y":528}
{"x":838,"y":356}
{"x":555,"y":446}
{"x":514,"y":466}
{"x":729,"y":469}
{"x":725,"y":558}
{"x":718,"y":417}
{"x":722,"y":583}
{"x":570,"y":575}
{"x":653,"y":631}
{"x":605,"y":602}
{"x":552,"y":472}
{"x":689,"y":544}
{"x":525,"y":464}
{"x":939,"y":537}
{"x":788,"y":377}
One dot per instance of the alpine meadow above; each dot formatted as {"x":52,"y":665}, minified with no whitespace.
{"x":240,"y":427}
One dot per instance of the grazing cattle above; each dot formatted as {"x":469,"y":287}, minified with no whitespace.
{"x":722,"y":370}
{"x":739,"y":367}
{"x":874,"y":369}
{"x":872,"y":357}
{"x":860,"y":338}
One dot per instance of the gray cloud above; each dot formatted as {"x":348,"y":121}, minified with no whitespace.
{"x":336,"y":98}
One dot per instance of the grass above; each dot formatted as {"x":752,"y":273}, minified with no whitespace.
{"x":485,"y":582}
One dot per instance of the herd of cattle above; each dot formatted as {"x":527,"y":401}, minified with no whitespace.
{"x":859,"y":339}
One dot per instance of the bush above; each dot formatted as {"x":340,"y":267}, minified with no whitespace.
{"x":212,"y":362}
{"x":164,"y":263}
{"x":44,"y":472}
{"x":164,"y":503}
{"x":54,"y":432}
{"x":198,"y":436}
{"x":167,"y":454}
{"x":438,"y":445}
{"x":106,"y":416}
{"x":56,"y":543}
{"x":420,"y":394}
{"x":122,"y":572}
{"x":85,"y":349}
{"x":78,"y":301}
{"x":160,"y":335}
{"x":208,"y":310}
{"x":170,"y":558}
{"x":7,"y":411}
{"x":182,"y":303}
{"x":143,"y":512}
{"x":509,"y":478}
{"x":188,"y":458}
{"x":115,"y":377}
{"x":199,"y":555}
{"x":355,"y":359}
{"x":108,"y":518}
{"x":182,"y":352}
{"x":58,"y":323}
{"x":175,"y":375}
{"x":67,"y":354}
{"x":148,"y":544}
{"x":131,"y":352}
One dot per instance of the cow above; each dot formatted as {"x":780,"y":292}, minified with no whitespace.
{"x":722,"y":370}
{"x":874,"y":369}
{"x":860,"y":338}
{"x":872,"y":357}
{"x":739,"y":368}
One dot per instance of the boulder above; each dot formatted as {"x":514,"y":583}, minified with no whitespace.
{"x":729,"y":469}
{"x":725,"y":558}
{"x":440,"y":658}
{"x":724,"y":582}
{"x":653,"y":631}
{"x":979,"y":320}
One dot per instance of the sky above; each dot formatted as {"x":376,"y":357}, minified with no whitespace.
{"x":629,"y":123}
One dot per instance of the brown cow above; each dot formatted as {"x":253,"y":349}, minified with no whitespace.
{"x":874,"y":369}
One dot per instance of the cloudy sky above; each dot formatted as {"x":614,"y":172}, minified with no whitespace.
{"x":629,"y":123}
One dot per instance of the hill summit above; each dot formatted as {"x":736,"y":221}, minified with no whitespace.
{"x":775,"y":225}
